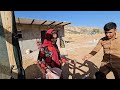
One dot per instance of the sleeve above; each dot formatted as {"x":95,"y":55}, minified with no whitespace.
{"x":41,"y":54}
{"x":97,"y":48}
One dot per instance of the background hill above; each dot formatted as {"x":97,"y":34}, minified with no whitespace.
{"x":82,"y":30}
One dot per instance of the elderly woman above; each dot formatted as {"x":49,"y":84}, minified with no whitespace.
{"x":49,"y":52}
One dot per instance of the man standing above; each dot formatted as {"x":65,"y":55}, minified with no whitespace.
{"x":111,"y":48}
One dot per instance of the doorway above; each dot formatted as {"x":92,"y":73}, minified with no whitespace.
{"x":42,"y":36}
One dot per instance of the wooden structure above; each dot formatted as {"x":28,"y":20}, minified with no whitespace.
{"x":10,"y":55}
{"x":32,"y":30}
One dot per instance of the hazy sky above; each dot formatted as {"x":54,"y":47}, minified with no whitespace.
{"x":77,"y":18}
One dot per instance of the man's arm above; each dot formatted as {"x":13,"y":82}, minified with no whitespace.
{"x":94,"y":51}
{"x":97,"y":48}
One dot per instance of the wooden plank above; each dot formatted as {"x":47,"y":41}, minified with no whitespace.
{"x":59,"y":23}
{"x":16,"y":49}
{"x":32,"y":21}
{"x":34,"y":27}
{"x":43,"y":22}
{"x":6,"y":17}
{"x":4,"y":61}
{"x":52,"y":23}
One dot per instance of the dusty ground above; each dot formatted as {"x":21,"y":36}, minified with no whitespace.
{"x":76,"y":47}
{"x":80,"y":46}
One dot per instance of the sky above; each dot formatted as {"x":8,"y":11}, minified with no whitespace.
{"x":77,"y":18}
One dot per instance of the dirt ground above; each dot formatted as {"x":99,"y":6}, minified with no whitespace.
{"x":76,"y":46}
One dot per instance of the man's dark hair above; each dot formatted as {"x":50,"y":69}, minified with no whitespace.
{"x":109,"y":26}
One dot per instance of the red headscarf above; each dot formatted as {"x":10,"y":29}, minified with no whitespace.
{"x":47,"y":42}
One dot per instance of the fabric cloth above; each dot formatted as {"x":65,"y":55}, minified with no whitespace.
{"x":53,"y":52}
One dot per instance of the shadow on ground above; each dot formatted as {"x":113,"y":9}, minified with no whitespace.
{"x":72,"y":68}
{"x":69,"y":69}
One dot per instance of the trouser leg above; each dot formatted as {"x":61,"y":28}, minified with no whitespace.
{"x":103,"y":71}
{"x":116,"y":72}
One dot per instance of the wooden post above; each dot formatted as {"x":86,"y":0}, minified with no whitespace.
{"x":6,"y":17}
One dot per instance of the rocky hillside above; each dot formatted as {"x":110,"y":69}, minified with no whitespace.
{"x":82,"y":30}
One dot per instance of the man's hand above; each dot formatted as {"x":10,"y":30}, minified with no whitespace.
{"x":86,"y":57}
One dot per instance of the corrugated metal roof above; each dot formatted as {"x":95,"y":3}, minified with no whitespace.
{"x":39,"y":22}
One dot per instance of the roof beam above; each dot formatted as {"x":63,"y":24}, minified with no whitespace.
{"x":59,"y":23}
{"x":43,"y":22}
{"x":52,"y":23}
{"x":66,"y":24}
{"x":32,"y":21}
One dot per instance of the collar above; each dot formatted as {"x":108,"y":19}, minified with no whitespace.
{"x":116,"y":36}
